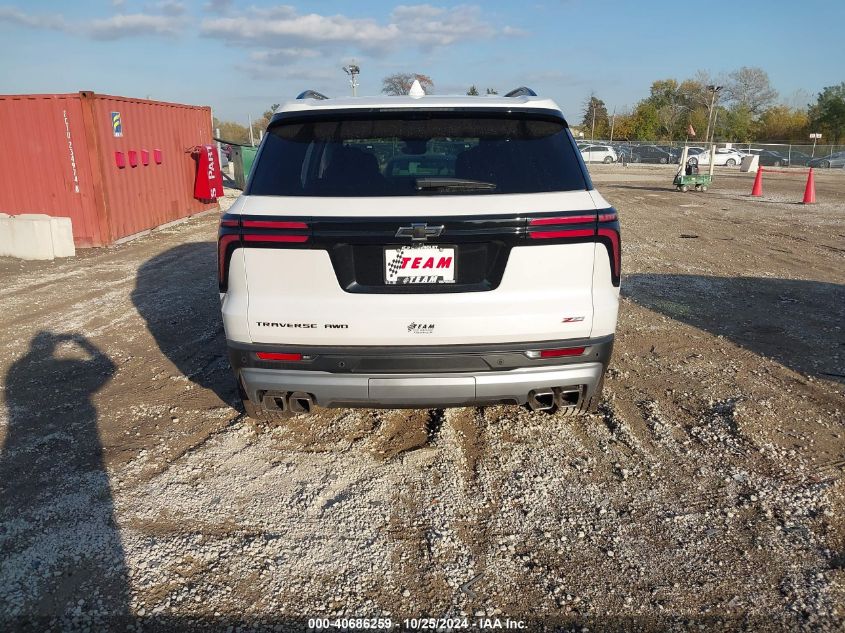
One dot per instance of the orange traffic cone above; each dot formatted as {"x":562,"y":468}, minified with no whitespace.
{"x":810,"y":190}
{"x":757,"y":189}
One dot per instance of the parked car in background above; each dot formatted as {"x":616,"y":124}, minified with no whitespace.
{"x":797,"y":158}
{"x":837,"y":159}
{"x":654,"y":154}
{"x":598,"y":154}
{"x":769,"y":158}
{"x":723,"y":157}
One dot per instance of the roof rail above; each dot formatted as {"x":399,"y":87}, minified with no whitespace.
{"x":522,"y":91}
{"x":311,"y":94}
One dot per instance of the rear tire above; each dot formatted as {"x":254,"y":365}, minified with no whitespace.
{"x":730,"y":162}
{"x":663,"y":161}
{"x":608,"y":160}
{"x":692,"y":161}
{"x":825,"y":164}
{"x":684,"y":188}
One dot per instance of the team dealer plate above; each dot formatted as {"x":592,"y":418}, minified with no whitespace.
{"x":425,"y":264}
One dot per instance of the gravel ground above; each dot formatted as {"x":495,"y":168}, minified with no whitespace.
{"x":707,"y":494}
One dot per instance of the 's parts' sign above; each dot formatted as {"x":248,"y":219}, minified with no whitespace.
{"x":209,"y":182}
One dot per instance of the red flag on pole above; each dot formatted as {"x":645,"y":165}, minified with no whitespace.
{"x":691,"y":130}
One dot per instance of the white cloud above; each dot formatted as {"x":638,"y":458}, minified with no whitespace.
{"x":114,"y":27}
{"x":423,"y":25}
{"x":16,"y":16}
{"x":133,"y":25}
{"x":431,"y":26}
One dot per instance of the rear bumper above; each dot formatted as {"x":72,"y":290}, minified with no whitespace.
{"x":422,"y":377}
{"x":422,"y":390}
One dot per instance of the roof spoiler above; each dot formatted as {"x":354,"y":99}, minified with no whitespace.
{"x":522,"y":91}
{"x":311,"y":94}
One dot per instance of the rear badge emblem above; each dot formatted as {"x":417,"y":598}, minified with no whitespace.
{"x":419,"y":231}
{"x":421,"y":328}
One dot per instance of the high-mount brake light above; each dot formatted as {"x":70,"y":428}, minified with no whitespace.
{"x":278,"y":356}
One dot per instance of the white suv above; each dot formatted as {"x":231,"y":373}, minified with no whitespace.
{"x":419,"y":252}
{"x":599,"y":154}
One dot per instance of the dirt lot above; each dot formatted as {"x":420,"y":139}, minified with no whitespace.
{"x":708,"y":493}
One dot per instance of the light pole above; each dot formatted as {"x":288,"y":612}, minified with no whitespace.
{"x":714,"y":90}
{"x":353,"y":71}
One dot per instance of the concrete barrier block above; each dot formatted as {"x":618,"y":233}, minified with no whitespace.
{"x":5,"y":236}
{"x":31,"y":236}
{"x":749,"y":164}
{"x":62,"y":233}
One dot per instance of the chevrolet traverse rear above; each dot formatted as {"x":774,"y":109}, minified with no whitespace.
{"x":419,"y":252}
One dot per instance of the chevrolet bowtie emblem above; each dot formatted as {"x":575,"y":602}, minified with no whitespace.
{"x":419,"y":232}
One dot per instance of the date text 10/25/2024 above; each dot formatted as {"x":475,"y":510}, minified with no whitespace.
{"x":416,"y":624}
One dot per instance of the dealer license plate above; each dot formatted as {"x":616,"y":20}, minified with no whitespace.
{"x":419,"y":265}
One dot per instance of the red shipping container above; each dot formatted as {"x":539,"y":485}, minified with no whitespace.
{"x":62,"y":156}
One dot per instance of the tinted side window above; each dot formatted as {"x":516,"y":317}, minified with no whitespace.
{"x":423,"y":154}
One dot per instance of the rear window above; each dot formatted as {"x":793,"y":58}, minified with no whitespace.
{"x":420,"y":154}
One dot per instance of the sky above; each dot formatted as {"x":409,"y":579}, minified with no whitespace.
{"x":241,"y":57}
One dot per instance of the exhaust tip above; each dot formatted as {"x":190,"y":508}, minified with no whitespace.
{"x":300,"y":402}
{"x":541,"y":400}
{"x":568,"y":397}
{"x":275,"y":401}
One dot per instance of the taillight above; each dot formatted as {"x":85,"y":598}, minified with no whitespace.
{"x":238,"y":231}
{"x":562,"y":227}
{"x":601,"y":226}
{"x":556,"y":353}
{"x":563,"y":219}
{"x":278,"y":356}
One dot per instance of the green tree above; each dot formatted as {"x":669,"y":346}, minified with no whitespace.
{"x":671,"y":104}
{"x":492,"y":91}
{"x":735,"y":124}
{"x":473,"y":91}
{"x":595,"y":112}
{"x":782,"y":123}
{"x":827,"y":115}
{"x":645,"y":122}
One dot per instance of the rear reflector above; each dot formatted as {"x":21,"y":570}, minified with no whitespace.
{"x":557,"y":353}
{"x":278,"y":356}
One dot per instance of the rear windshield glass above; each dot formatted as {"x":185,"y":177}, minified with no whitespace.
{"x":434,"y":155}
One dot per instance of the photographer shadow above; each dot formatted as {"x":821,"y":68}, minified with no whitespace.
{"x":176,"y":294}
{"x":60,"y":548}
